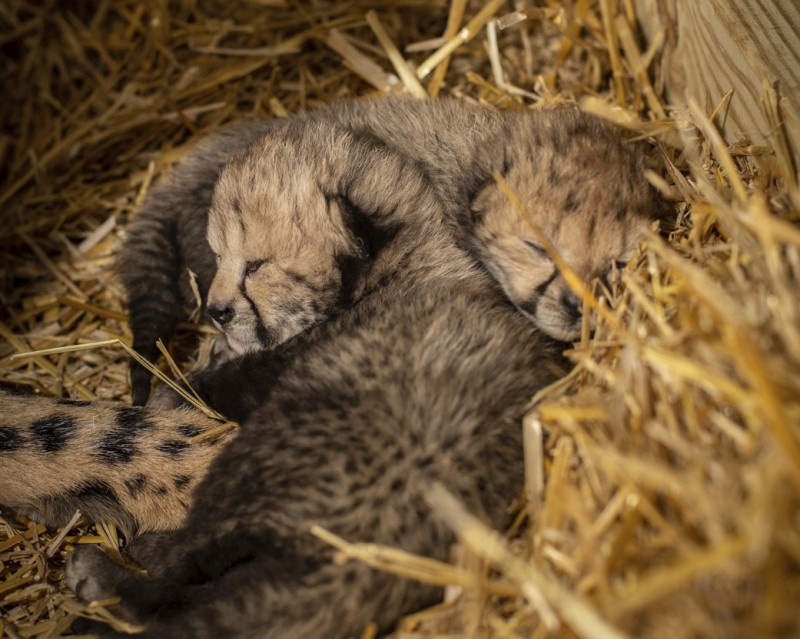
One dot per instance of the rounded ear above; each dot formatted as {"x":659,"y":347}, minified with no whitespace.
{"x":477,"y":199}
{"x":383,"y":191}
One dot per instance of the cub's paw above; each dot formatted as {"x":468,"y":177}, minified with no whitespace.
{"x":91,"y":574}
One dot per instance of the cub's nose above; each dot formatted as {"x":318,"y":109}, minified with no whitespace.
{"x":221,"y":313}
{"x":571,"y":304}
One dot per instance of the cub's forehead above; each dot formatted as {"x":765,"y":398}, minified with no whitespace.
{"x":274,"y":214}
{"x":271,"y":166}
{"x":272,"y":172}
{"x":274,"y":198}
{"x":590,"y":179}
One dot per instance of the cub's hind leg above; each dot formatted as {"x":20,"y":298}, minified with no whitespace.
{"x":92,"y":575}
{"x":281,"y":592}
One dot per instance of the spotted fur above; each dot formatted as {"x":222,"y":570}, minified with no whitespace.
{"x":130,"y":466}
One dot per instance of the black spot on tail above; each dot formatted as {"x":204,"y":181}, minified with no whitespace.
{"x":131,"y":417}
{"x":74,"y":402}
{"x":10,"y":439}
{"x":113,"y":449}
{"x":135,"y":484}
{"x":189,"y":430}
{"x":172,"y":447}
{"x":118,"y":446}
{"x":51,"y":433}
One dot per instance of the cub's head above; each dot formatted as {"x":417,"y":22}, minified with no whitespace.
{"x":296,"y":223}
{"x":582,"y":187}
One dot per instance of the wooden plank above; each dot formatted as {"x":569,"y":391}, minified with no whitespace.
{"x":713,"y":46}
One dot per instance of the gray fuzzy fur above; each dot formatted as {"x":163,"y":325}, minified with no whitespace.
{"x":577,"y":178}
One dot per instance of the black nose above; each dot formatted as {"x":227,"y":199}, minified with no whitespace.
{"x":571,"y":304}
{"x":221,"y":313}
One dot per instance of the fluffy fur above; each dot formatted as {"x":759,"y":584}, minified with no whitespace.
{"x":407,"y":389}
{"x":581,"y":184}
{"x":423,"y":380}
{"x":414,"y":368}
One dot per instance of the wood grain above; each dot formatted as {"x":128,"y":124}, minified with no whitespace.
{"x":713,"y":46}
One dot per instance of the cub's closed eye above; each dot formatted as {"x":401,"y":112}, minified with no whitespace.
{"x":536,"y":248}
{"x":253,"y":266}
{"x":620,"y":264}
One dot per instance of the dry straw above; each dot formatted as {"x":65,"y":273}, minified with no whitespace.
{"x":664,"y":500}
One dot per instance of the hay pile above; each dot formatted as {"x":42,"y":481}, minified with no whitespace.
{"x":665,"y":500}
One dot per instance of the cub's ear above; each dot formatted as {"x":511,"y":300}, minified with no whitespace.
{"x":481,"y":194}
{"x":369,"y":232}
{"x":382,"y":190}
{"x":485,"y":196}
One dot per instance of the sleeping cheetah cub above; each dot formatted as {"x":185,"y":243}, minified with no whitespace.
{"x":580,"y":182}
{"x":337,"y":215}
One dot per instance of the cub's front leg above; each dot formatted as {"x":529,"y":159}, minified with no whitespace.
{"x":236,"y":387}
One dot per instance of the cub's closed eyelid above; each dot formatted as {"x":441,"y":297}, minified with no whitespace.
{"x":253,"y":266}
{"x":536,"y":248}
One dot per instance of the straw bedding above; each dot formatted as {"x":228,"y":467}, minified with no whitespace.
{"x":664,"y":500}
